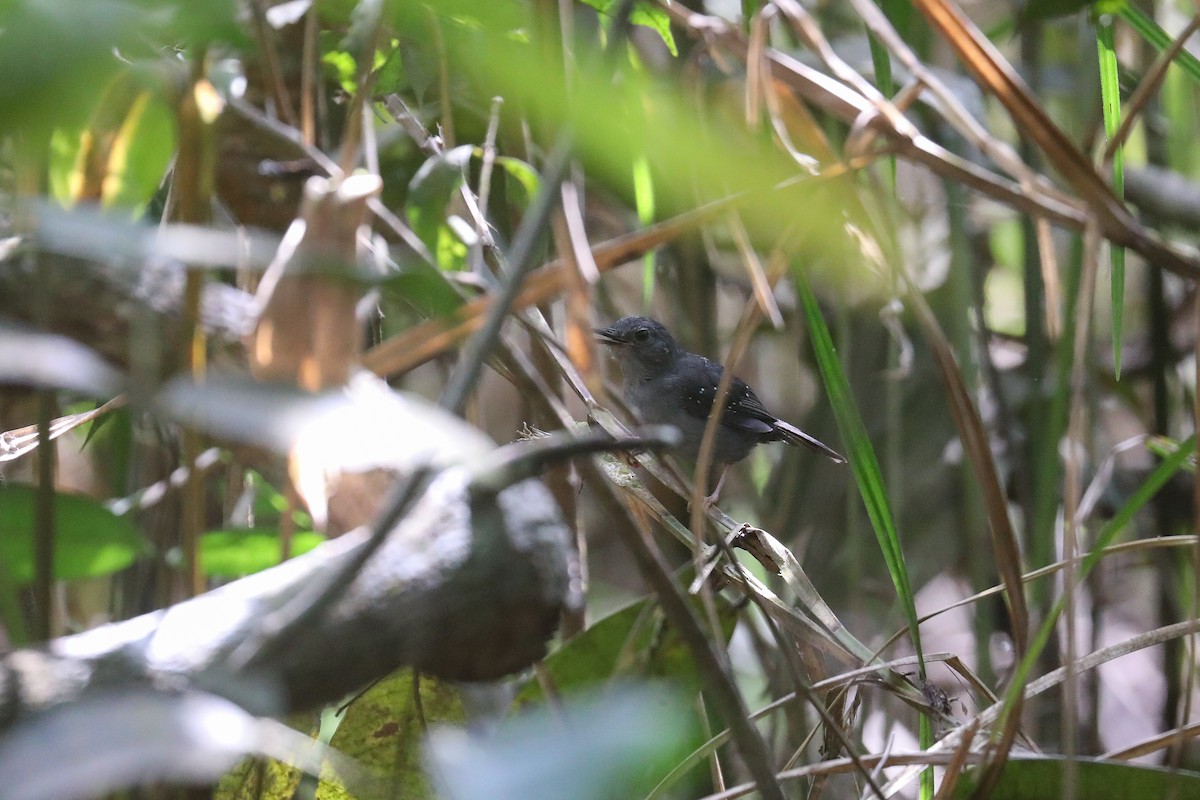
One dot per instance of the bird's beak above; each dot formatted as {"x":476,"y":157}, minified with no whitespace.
{"x":609,"y":337}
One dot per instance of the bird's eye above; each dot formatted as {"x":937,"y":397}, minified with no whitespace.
{"x":641,"y":335}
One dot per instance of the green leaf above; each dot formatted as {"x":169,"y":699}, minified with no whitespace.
{"x":643,"y":193}
{"x":341,"y":67}
{"x":425,"y":288}
{"x":391,"y":76}
{"x":646,"y":14}
{"x":58,"y":55}
{"x":385,"y":729}
{"x":1045,"y":779}
{"x":1156,"y":36}
{"x":120,"y":156}
{"x":631,"y":643}
{"x":601,"y":746}
{"x":89,"y":540}
{"x":525,"y":174}
{"x":234,"y":553}
{"x":1110,"y":95}
{"x":430,"y":190}
{"x":862,"y":458}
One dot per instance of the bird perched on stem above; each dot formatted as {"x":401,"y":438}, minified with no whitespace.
{"x":668,"y":385}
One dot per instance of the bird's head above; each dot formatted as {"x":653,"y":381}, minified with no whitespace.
{"x":640,"y":343}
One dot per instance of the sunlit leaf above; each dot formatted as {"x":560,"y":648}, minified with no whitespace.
{"x":526,"y":175}
{"x":385,"y":729}
{"x":643,"y":13}
{"x":89,"y":540}
{"x":58,"y":55}
{"x":234,"y":553}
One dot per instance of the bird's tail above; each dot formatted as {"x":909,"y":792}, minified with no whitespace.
{"x":793,"y":435}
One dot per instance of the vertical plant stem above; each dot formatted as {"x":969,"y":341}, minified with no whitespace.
{"x":191,"y":193}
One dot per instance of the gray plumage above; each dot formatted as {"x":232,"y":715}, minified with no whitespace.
{"x":668,"y":385}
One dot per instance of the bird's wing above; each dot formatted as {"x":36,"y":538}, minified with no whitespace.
{"x":697,"y":387}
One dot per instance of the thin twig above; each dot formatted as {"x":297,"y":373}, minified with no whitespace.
{"x":475,"y":353}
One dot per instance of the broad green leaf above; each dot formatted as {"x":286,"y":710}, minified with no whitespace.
{"x":391,"y":76}
{"x":89,"y":540}
{"x":385,"y":730}
{"x":1045,"y":779}
{"x":341,"y":67}
{"x":259,"y":779}
{"x":234,"y":553}
{"x":120,"y":157}
{"x":424,"y":288}
{"x":58,"y":56}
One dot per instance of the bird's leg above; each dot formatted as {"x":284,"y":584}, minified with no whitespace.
{"x":711,"y":500}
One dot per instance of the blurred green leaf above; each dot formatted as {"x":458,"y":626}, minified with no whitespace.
{"x":234,"y":553}
{"x":58,"y":54}
{"x":341,"y":67}
{"x":430,"y":190}
{"x":1044,"y":779}
{"x":110,"y":438}
{"x":1164,"y":447}
{"x":89,"y":540}
{"x":614,"y":122}
{"x":258,"y":779}
{"x":596,"y":747}
{"x":427,"y":292}
{"x":392,"y":76}
{"x":525,"y":174}
{"x":270,"y":505}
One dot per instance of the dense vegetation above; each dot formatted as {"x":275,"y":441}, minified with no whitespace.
{"x":956,"y":243}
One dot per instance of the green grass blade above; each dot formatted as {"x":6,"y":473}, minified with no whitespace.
{"x":881,"y":60}
{"x":1149,"y":30}
{"x":643,"y":195}
{"x":1110,"y":94}
{"x":862,"y":458}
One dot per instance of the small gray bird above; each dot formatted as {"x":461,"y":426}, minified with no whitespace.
{"x":668,"y":385}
